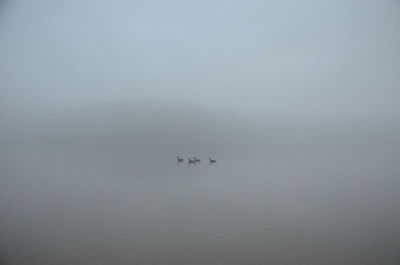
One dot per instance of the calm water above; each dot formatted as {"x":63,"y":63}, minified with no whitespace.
{"x":294,"y":204}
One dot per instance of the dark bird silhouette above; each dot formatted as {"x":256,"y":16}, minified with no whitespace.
{"x":191,"y":161}
{"x":179,"y":160}
{"x":212,"y":161}
{"x":196,"y":160}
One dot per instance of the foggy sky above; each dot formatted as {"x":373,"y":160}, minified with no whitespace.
{"x":295,"y":60}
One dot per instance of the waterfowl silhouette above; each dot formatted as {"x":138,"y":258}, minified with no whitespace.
{"x":196,"y":160}
{"x":179,"y":160}
{"x":191,"y":161}
{"x":212,"y":161}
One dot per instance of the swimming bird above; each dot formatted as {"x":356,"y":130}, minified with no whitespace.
{"x":179,"y":160}
{"x":212,"y":161}
{"x":191,"y":161}
{"x":196,"y":159}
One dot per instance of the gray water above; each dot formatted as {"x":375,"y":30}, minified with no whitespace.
{"x":305,"y":197}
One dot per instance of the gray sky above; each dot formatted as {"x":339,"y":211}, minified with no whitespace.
{"x":284,"y":59}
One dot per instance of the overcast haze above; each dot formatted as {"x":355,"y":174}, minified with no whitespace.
{"x":298,"y":102}
{"x":287,"y":59}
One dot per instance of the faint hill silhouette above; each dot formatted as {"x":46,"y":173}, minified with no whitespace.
{"x":142,"y":125}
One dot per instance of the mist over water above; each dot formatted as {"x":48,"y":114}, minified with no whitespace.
{"x":102,"y":186}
